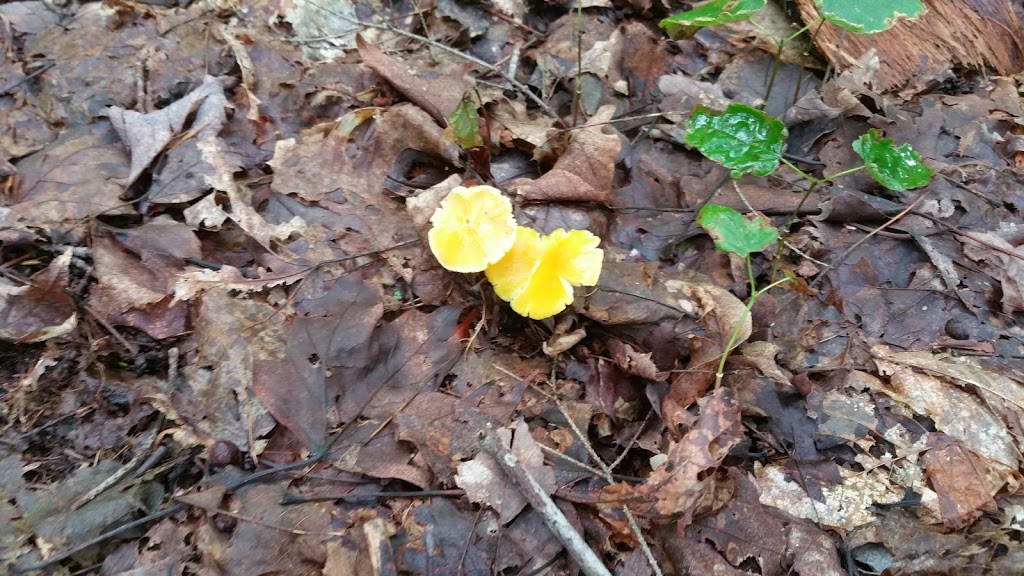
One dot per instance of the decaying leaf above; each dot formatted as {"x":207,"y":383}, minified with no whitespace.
{"x":629,"y":293}
{"x":484,"y":480}
{"x":147,"y":135}
{"x":955,"y":412}
{"x":964,"y":482}
{"x":404,"y":358}
{"x":215,"y":401}
{"x":687,"y":476}
{"x":40,"y":310}
{"x":76,"y":176}
{"x":47,"y":513}
{"x":136,"y":271}
{"x":993,"y":385}
{"x":1004,"y":262}
{"x":438,"y":97}
{"x":846,"y":505}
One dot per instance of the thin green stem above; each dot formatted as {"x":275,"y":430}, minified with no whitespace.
{"x":739,"y":324}
{"x":750,"y":275}
{"x":771,"y":79}
{"x":800,"y":72}
{"x":802,"y":174}
{"x":792,"y":36}
{"x":792,"y":216}
{"x":779,"y":45}
{"x":843,"y":173}
{"x":796,"y":211}
{"x":785,"y":228}
{"x":767,"y":33}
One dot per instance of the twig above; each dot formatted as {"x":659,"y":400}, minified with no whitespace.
{"x":290,"y":499}
{"x":9,"y":89}
{"x":632,"y":442}
{"x":131,"y":348}
{"x":609,"y":477}
{"x":583,"y":465}
{"x":180,"y":506}
{"x":584,"y":555}
{"x":158,"y":515}
{"x":151,"y":461}
{"x":103,"y":486}
{"x":857,"y":244}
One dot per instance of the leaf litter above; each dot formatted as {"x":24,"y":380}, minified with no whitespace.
{"x":227,"y":348}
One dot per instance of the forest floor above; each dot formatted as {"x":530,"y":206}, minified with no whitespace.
{"x":227,"y":349}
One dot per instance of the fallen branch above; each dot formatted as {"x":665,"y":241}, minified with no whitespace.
{"x":584,"y":555}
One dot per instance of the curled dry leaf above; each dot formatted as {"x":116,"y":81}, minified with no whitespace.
{"x":1004,"y":262}
{"x":688,"y":476}
{"x":640,"y":293}
{"x":136,"y":270}
{"x":147,"y":135}
{"x":585,"y":172}
{"x":438,"y":96}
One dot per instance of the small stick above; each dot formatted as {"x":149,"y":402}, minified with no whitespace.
{"x":103,"y":486}
{"x":630,"y":518}
{"x":584,"y":555}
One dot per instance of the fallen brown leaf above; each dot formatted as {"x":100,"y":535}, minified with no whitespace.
{"x":40,"y":310}
{"x":584,"y":173}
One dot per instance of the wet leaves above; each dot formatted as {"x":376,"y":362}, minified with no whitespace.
{"x":734,"y":233}
{"x":741,"y":138}
{"x":896,"y":168}
{"x":76,"y":176}
{"x":41,"y":308}
{"x":211,"y":272}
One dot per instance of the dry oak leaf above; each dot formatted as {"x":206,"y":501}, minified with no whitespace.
{"x":687,"y":477}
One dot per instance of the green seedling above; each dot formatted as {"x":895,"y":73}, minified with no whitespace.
{"x":733,"y":233}
{"x":895,"y":168}
{"x":465,"y":124}
{"x":744,"y":140}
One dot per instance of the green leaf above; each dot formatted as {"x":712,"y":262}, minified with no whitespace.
{"x":868,"y":16}
{"x":685,"y":24}
{"x":895,"y":168}
{"x":465,"y":125}
{"x":734,"y":233}
{"x":742,"y":138}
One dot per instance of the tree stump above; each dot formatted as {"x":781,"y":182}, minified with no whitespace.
{"x":917,"y":54}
